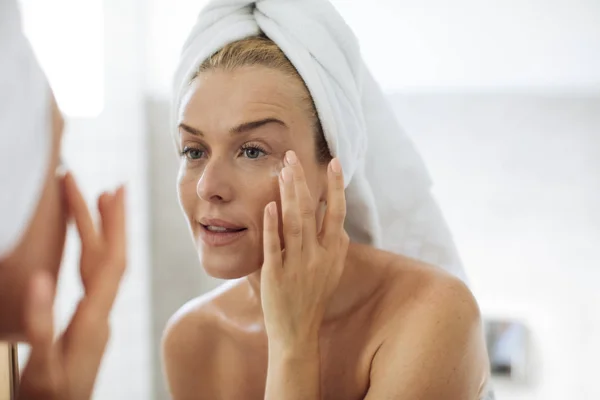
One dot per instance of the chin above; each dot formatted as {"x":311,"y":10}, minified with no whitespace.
{"x":229,"y":266}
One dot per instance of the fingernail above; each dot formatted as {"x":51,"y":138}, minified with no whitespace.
{"x":118,"y":193}
{"x":291,"y":158}
{"x":287,"y":174}
{"x":336,"y":166}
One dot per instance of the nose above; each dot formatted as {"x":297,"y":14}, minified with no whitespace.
{"x":215,"y":184}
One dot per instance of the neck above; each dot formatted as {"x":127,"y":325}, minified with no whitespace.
{"x":357,"y":284}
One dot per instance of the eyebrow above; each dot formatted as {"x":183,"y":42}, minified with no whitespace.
{"x":242,"y":128}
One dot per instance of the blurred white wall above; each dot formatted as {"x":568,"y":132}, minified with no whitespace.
{"x":518,"y":179}
{"x":50,"y":27}
{"x":433,"y":45}
{"x":509,"y":45}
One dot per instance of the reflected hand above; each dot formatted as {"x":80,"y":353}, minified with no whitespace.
{"x":297,"y":283}
{"x":66,"y":368}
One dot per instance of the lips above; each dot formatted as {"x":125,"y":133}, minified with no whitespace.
{"x":220,"y":229}
{"x":216,"y":232}
{"x":219,"y":225}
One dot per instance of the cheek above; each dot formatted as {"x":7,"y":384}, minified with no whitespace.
{"x":186,"y":190}
{"x":253,"y":193}
{"x":258,"y":190}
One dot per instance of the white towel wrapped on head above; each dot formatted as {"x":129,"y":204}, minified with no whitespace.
{"x":388,"y":188}
{"x":25,"y":134}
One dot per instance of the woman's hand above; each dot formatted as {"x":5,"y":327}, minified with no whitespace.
{"x":297,"y":283}
{"x":66,"y":368}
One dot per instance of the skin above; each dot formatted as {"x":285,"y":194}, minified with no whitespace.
{"x":307,"y":314}
{"x":46,"y":233}
{"x":62,"y":366}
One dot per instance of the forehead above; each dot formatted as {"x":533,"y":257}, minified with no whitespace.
{"x":221,"y":97}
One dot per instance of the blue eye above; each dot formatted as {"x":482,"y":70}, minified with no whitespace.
{"x":253,"y":152}
{"x":192,"y":153}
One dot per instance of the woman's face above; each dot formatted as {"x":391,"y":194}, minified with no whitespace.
{"x":235,"y":128}
{"x":40,"y":248}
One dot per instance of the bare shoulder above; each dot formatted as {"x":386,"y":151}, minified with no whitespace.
{"x":434,"y":318}
{"x":436,"y":290}
{"x":413,"y":289}
{"x":191,"y":340}
{"x":193,"y":317}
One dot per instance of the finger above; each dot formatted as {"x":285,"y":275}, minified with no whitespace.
{"x":271,"y":242}
{"x":336,"y":206}
{"x":342,"y":252}
{"x":88,"y":268}
{"x":112,"y":215}
{"x":39,"y":375}
{"x":292,"y":221}
{"x":80,"y":212}
{"x":103,"y":202}
{"x":106,"y":278}
{"x":305,"y":202}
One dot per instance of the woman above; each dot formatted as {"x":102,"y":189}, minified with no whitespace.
{"x":310,"y":312}
{"x":35,"y":203}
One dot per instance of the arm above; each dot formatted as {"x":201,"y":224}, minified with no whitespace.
{"x":293,"y":372}
{"x":440,"y":354}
